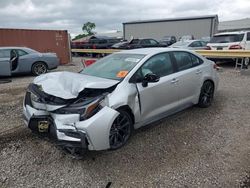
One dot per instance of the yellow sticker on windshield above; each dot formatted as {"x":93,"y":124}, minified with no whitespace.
{"x":122,"y":74}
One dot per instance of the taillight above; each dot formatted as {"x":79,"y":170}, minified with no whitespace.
{"x":208,"y":48}
{"x":235,"y":47}
{"x":216,"y":67}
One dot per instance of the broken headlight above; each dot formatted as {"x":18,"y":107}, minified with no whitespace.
{"x":84,"y":109}
{"x":94,"y":107}
{"x":34,"y":97}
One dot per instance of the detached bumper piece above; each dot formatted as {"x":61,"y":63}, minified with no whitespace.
{"x":83,"y":144}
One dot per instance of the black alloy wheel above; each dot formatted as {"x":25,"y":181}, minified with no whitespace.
{"x":206,"y":95}
{"x":120,"y":130}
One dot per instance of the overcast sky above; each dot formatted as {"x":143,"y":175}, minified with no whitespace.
{"x":110,"y":14}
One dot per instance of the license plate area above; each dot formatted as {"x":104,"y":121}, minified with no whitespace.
{"x":41,"y":124}
{"x":219,"y":48}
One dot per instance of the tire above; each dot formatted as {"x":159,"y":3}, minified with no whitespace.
{"x":206,"y":94}
{"x":121,"y":130}
{"x":39,"y":68}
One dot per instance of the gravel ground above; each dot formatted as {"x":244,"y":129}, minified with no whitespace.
{"x":194,"y":148}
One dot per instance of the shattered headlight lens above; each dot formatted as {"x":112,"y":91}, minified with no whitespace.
{"x":34,"y":97}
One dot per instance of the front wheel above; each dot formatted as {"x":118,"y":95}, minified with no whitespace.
{"x":120,"y":130}
{"x":39,"y":68}
{"x":206,"y":95}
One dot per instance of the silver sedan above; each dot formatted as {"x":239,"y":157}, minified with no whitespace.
{"x":99,"y":107}
{"x":190,"y":45}
{"x":21,"y":60}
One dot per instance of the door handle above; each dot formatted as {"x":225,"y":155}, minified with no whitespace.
{"x":198,"y":71}
{"x":174,"y":80}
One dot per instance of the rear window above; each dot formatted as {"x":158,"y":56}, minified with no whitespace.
{"x":227,"y":38}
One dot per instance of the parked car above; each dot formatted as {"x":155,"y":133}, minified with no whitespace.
{"x":20,"y":60}
{"x":206,"y":39}
{"x":142,"y":43}
{"x":99,"y":107}
{"x":120,"y":45}
{"x":100,"y":43}
{"x":190,"y":44}
{"x":168,"y":40}
{"x":239,"y":40}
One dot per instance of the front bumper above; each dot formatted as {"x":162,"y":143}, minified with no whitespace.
{"x":67,"y":130}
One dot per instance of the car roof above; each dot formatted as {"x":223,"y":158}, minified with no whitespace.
{"x":150,"y":51}
{"x":12,"y":47}
{"x":231,"y":33}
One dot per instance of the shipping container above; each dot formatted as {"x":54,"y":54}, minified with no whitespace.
{"x":56,"y":41}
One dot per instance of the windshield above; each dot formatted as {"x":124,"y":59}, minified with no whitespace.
{"x":115,"y":66}
{"x":227,"y":38}
{"x":181,"y":43}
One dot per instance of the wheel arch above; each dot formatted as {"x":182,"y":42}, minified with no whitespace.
{"x":129,"y":110}
{"x":209,"y":80}
{"x":39,"y":62}
{"x":35,"y":62}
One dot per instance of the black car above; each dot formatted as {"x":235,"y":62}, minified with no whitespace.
{"x":142,"y":43}
{"x":168,"y":40}
{"x":100,"y":43}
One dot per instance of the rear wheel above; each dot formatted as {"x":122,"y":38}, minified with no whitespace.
{"x":206,"y":95}
{"x":120,"y":130}
{"x":39,"y":68}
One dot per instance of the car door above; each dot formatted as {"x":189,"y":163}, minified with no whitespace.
{"x":5,"y":65}
{"x":24,"y":63}
{"x":160,"y":97}
{"x":189,"y":76}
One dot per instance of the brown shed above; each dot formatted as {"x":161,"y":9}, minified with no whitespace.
{"x":56,"y":41}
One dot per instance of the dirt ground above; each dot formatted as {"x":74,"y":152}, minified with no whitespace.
{"x":194,"y":148}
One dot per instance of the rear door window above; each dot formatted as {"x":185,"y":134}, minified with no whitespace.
{"x":227,"y":38}
{"x":159,"y":64}
{"x":183,"y":60}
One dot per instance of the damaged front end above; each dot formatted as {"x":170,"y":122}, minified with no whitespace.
{"x":75,"y":123}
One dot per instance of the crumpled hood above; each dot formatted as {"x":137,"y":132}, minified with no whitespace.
{"x":68,"y":85}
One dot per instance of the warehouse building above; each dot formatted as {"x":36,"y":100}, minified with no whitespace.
{"x":234,"y":25}
{"x":202,"y":26}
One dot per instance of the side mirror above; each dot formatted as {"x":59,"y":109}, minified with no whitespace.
{"x":150,"y":78}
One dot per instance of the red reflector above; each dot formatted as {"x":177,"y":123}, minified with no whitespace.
{"x":216,"y":67}
{"x":208,"y":48}
{"x":235,"y":47}
{"x":89,"y":62}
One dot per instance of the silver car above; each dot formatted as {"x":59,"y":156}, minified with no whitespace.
{"x":21,"y":60}
{"x":99,"y":107}
{"x":190,"y":45}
